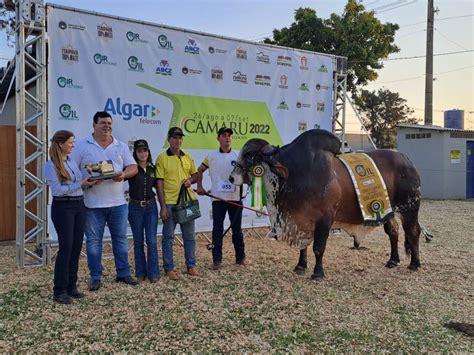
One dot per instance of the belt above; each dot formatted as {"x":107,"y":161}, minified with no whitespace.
{"x":68,"y":198}
{"x":141,"y":203}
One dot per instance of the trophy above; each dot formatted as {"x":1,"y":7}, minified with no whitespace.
{"x":101,"y":171}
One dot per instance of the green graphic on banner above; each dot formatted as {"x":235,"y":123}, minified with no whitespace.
{"x":201,"y":117}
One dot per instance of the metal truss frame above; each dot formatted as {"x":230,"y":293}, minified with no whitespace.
{"x":31,"y":111}
{"x":339,"y":104}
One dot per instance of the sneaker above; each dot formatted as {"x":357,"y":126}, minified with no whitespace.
{"x":193,"y":272}
{"x":172,"y":275}
{"x":154,"y":280}
{"x":76,"y":294}
{"x":216,"y":265}
{"x":94,"y":285}
{"x":63,"y":298}
{"x":127,"y":280}
{"x":242,"y":262}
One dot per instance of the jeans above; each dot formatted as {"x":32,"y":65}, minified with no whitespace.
{"x":219,"y":209}
{"x":68,"y":218}
{"x":187,"y":231}
{"x":144,"y":220}
{"x":116,"y":219}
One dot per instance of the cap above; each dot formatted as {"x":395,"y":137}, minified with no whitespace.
{"x":175,"y":131}
{"x":140,"y":143}
{"x":224,"y":130}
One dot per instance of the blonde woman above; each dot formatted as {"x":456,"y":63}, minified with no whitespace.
{"x":68,"y":214}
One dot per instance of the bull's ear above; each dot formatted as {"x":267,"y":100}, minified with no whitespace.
{"x":280,"y":169}
{"x":270,"y":150}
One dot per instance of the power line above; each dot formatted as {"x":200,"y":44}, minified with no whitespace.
{"x":396,"y":7}
{"x":413,"y":57}
{"x":447,"y":39}
{"x":421,"y":76}
{"x":438,"y":19}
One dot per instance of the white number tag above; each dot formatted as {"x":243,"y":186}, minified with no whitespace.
{"x":226,"y":186}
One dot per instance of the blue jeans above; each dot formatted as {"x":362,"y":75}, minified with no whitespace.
{"x":144,"y":219}
{"x":116,"y":220}
{"x":187,"y":230}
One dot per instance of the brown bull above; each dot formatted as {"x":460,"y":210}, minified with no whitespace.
{"x":309,"y":192}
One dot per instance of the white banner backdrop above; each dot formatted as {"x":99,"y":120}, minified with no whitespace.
{"x":150,"y":78}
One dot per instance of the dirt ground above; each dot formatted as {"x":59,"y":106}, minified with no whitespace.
{"x":263,"y":307}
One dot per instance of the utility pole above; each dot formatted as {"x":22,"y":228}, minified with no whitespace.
{"x":429,"y":66}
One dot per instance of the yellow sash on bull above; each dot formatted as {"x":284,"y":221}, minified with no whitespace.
{"x":370,"y":188}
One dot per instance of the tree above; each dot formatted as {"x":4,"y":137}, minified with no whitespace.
{"x":383,"y":111}
{"x":356,"y":34}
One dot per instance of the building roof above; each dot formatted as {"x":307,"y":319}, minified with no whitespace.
{"x":433,"y":128}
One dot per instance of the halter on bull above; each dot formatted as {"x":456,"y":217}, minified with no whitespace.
{"x":309,"y":191}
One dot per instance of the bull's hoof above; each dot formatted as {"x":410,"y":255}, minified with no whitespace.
{"x":317,"y":278}
{"x":391,"y":264}
{"x":299,"y":270}
{"x":413,"y":267}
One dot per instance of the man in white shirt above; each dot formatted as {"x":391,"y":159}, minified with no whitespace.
{"x":105,"y":201}
{"x":219,"y":163}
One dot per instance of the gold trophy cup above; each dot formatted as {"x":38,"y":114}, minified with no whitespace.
{"x":102,"y":170}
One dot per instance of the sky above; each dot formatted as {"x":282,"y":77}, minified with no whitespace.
{"x":254,"y":20}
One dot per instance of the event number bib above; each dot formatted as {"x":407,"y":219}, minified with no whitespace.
{"x":226,"y":186}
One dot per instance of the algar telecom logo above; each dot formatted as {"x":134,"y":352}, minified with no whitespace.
{"x":128,"y":110}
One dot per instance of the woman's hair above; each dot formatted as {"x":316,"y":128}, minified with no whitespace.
{"x":149,"y":160}
{"x":56,"y":154}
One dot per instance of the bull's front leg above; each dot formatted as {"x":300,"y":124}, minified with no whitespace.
{"x":321,"y":234}
{"x":302,"y":265}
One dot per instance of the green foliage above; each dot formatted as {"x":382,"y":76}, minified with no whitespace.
{"x":356,"y":34}
{"x":382,"y":111}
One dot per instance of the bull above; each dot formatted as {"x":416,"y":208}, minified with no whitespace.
{"x":309,"y":192}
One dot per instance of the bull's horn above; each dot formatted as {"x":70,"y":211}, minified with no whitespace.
{"x":270,"y":150}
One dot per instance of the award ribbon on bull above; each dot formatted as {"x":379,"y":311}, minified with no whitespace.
{"x":102,"y":170}
{"x":258,"y":187}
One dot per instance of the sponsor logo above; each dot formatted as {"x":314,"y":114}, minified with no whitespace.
{"x":134,"y":64}
{"x":164,"y":68}
{"x":105,"y":31}
{"x":284,"y":61}
{"x":241,"y":53}
{"x":302,"y":126}
{"x":63,"y":25}
{"x":240,"y":77}
{"x":321,"y":87}
{"x":134,"y":37}
{"x":102,"y":59}
{"x":164,"y":43}
{"x":213,"y":50}
{"x":303,"y":87}
{"x":264,"y":80}
{"x":187,"y":70}
{"x":67,"y":83}
{"x":70,"y":54}
{"x":217,"y":73}
{"x":302,"y":105}
{"x":323,"y":69}
{"x":127,"y":110}
{"x":320,"y":106}
{"x":283,"y":82}
{"x":263,"y":58}
{"x":191,"y":47}
{"x":283,"y":105}
{"x":304,"y":63}
{"x":67,"y":113}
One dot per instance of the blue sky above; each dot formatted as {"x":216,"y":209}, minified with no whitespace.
{"x":254,"y":20}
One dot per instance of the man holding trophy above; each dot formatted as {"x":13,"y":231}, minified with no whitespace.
{"x":106,"y":159}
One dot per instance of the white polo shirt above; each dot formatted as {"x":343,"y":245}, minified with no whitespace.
{"x":108,"y":193}
{"x":220,"y":167}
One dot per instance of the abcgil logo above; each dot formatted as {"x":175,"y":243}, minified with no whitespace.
{"x":102,"y":59}
{"x":164,"y":68}
{"x":134,"y":64}
{"x":164,"y":43}
{"x":105,"y":31}
{"x":67,"y":113}
{"x":191,"y":47}
{"x":70,"y":54}
{"x":134,"y":37}
{"x":132,"y":110}
{"x":67,"y":83}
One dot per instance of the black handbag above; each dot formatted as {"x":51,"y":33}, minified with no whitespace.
{"x":185,"y":209}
